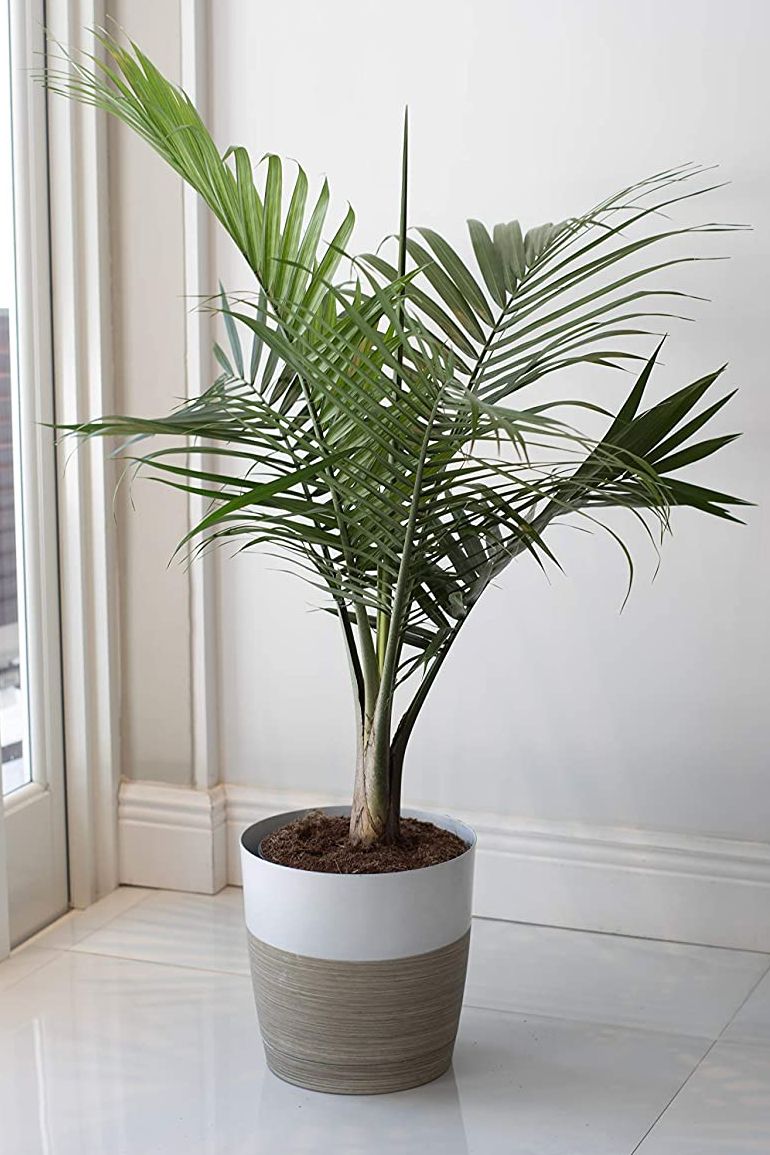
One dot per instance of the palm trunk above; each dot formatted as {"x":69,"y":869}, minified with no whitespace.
{"x":393,"y":827}
{"x":370,"y":813}
{"x":376,"y":812}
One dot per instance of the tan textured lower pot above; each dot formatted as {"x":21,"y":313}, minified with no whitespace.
{"x":358,"y":978}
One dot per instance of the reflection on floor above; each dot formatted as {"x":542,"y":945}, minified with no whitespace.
{"x":129,"y":1028}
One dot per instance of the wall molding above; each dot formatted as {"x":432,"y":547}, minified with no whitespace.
{"x":172,"y":837}
{"x":648,"y":884}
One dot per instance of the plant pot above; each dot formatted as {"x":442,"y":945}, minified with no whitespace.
{"x":358,"y":978}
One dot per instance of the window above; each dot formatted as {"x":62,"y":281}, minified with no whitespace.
{"x":33,"y":876}
{"x":15,"y":763}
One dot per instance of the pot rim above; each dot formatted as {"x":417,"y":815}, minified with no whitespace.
{"x":257,"y":831}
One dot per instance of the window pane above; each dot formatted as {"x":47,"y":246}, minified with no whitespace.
{"x":15,"y":768}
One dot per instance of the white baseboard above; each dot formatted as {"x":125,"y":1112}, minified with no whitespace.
{"x":644,"y":883}
{"x":171,"y":837}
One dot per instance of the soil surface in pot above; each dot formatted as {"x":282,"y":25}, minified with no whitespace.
{"x":320,"y":842}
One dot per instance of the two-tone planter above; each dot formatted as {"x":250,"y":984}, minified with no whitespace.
{"x":358,"y":978}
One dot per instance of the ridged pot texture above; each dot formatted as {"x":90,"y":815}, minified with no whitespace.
{"x":358,"y":979}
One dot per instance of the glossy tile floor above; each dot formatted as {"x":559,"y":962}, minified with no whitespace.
{"x":128,"y":1029}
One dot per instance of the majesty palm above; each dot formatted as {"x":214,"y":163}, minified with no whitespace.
{"x":382,"y":429}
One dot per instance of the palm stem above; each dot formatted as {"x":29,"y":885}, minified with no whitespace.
{"x":383,"y":587}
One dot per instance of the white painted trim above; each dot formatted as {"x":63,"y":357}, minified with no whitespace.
{"x":83,"y":379}
{"x":642,"y":883}
{"x":5,"y":926}
{"x":37,"y":878}
{"x":172,"y":837}
{"x":35,"y":815}
{"x":198,"y":341}
{"x":26,"y":795}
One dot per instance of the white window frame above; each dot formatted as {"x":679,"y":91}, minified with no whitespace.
{"x":34,"y":815}
{"x":67,"y":531}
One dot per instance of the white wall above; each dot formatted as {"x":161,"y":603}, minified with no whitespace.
{"x":553,"y":706}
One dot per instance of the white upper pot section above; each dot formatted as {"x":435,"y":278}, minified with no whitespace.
{"x":356,"y":917}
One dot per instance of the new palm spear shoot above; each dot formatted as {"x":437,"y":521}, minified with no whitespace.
{"x":382,"y":429}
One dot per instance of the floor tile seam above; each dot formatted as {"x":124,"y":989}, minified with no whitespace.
{"x":675,"y":1096}
{"x":31,"y":974}
{"x":738,"y":1010}
{"x":78,"y":949}
{"x":657,"y":1032}
{"x":522,"y":1014}
{"x":38,"y":938}
{"x":699,"y":1064}
{"x":109,"y":922}
{"x":627,"y":937}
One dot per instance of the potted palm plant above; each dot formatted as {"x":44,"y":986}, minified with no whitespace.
{"x":377,"y":422}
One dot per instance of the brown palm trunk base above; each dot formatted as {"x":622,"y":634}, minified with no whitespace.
{"x":359,"y":1028}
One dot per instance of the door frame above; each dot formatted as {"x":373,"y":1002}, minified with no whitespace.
{"x":68,"y":535}
{"x":35,"y":832}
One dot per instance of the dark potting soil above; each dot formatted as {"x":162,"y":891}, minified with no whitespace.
{"x":320,"y":842}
